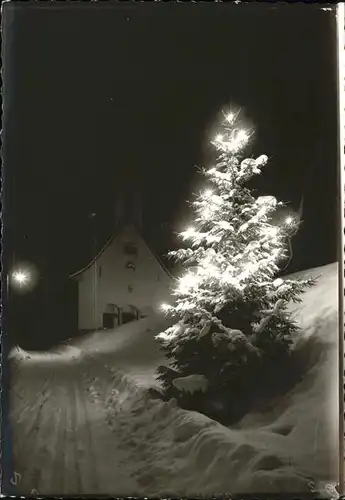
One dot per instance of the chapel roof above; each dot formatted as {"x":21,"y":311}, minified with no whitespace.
{"x":131,"y":230}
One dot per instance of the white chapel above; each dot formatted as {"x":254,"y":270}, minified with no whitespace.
{"x":124,"y":282}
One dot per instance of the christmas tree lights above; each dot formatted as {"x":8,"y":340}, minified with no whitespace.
{"x":230,"y":282}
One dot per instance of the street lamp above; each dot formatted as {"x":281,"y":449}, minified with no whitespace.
{"x":19,"y":279}
{"x":22,"y":278}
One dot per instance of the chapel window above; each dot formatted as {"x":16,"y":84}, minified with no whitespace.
{"x":130,"y":249}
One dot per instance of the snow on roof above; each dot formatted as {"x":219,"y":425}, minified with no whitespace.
{"x":108,"y":243}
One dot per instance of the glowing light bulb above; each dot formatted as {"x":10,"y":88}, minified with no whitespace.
{"x":20,"y":277}
{"x":189,"y":233}
{"x":165,"y":307}
{"x":242,"y":136}
{"x":188,"y":281}
{"x":289,"y":220}
{"x":231,"y":146}
{"x":229,"y":117}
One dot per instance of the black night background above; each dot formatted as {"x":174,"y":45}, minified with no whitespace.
{"x":101,"y":100}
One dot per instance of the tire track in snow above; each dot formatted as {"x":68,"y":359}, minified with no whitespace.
{"x":72,"y":484}
{"x":90,"y":427}
{"x":28,"y":399}
{"x":85,"y":455}
{"x":47,"y":476}
{"x":30,"y":445}
{"x":65,"y":445}
{"x":55,"y":473}
{"x":115,"y":478}
{"x":74,"y":434}
{"x":46,"y":437}
{"x":23,"y":429}
{"x":153,"y":464}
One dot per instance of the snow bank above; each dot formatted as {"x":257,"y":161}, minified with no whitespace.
{"x":130,"y":349}
{"x":177,"y":452}
{"x":60,"y":354}
{"x":133,"y":338}
{"x":132,"y":345}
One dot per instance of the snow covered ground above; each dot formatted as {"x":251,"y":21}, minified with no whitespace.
{"x":84,"y":421}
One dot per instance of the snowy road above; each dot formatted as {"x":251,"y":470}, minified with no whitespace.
{"x":62,"y":443}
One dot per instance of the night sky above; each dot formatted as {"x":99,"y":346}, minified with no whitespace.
{"x":101,"y":100}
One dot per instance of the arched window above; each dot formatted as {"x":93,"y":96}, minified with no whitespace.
{"x":111,"y":316}
{"x":130,"y":313}
{"x":111,"y":308}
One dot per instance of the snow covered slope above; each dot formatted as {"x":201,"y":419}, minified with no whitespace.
{"x":95,"y":392}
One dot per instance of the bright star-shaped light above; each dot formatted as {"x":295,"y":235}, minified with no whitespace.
{"x":229,"y":117}
{"x":242,"y":136}
{"x":187,"y":282}
{"x":208,"y":193}
{"x":188,"y":233}
{"x":20,"y":277}
{"x":23,"y":277}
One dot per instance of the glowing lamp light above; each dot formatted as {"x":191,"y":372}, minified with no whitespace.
{"x":271,"y":231}
{"x":23,"y":277}
{"x":20,"y":277}
{"x":165,"y":307}
{"x":219,"y":138}
{"x":208,"y":193}
{"x":231,"y":146}
{"x":229,"y":117}
{"x":242,"y":136}
{"x":189,"y":233}
{"x":289,"y":220}
{"x":187,"y":282}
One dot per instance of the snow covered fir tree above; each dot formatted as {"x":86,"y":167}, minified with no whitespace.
{"x":231,"y":347}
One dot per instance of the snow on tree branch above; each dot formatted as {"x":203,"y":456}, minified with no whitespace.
{"x":191,"y":383}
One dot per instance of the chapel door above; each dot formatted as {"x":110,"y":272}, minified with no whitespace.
{"x":129,"y":314}
{"x":108,"y":320}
